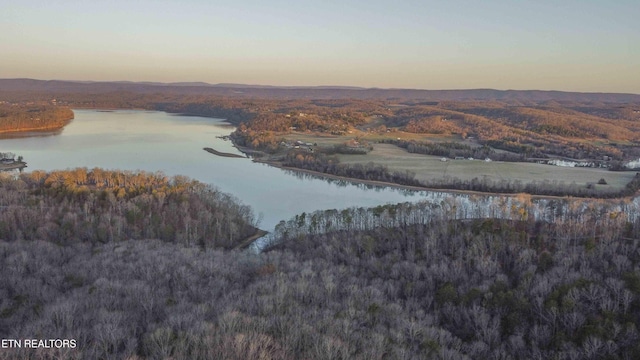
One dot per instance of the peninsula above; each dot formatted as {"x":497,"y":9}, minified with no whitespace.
{"x":220,"y":153}
{"x":21,"y":117}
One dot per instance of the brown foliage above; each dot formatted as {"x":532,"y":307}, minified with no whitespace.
{"x":33,"y":117}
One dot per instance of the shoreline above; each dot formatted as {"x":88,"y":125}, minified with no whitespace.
{"x":276,"y":164}
{"x":223,"y":154}
{"x":13,"y":166}
{"x":34,"y":129}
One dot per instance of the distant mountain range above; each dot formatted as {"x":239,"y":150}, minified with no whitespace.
{"x":315,"y":92}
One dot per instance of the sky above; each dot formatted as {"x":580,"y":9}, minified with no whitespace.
{"x":570,"y":45}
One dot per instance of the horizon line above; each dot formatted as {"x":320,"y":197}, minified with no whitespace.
{"x":292,"y":87}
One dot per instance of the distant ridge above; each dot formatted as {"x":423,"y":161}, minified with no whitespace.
{"x":302,"y":92}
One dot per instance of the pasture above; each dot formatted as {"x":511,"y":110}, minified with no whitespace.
{"x":431,"y":168}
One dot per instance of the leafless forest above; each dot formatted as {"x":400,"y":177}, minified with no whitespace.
{"x":100,"y":206}
{"x":405,"y":281}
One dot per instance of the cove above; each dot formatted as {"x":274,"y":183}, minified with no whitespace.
{"x":173,"y":144}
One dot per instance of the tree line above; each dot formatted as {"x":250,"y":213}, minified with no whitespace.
{"x":328,"y":164}
{"x":457,"y":149}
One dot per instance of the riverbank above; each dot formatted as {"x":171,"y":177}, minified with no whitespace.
{"x":262,"y":157}
{"x":33,"y":117}
{"x":38,"y":129}
{"x":402,"y":187}
{"x":538,"y":181}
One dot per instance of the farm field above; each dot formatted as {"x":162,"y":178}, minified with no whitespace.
{"x":326,"y":139}
{"x":430,"y":168}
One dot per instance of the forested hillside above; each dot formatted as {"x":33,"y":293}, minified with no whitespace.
{"x":32,"y":86}
{"x":100,"y":206}
{"x":33,"y":117}
{"x":396,"y":281}
{"x":532,"y":124}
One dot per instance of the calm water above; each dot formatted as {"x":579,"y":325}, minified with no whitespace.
{"x":152,"y":141}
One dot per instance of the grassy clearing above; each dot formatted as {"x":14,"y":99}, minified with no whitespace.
{"x":432,"y":168}
{"x":326,"y":140}
{"x":429,"y":168}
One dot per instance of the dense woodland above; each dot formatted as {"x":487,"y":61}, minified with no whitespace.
{"x":100,"y":206}
{"x":33,"y":117}
{"x":408,"y":281}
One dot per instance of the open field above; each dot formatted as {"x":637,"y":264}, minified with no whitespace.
{"x":429,"y":168}
{"x":322,"y":140}
{"x":325,"y":139}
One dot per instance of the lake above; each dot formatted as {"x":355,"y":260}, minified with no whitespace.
{"x":173,"y":144}
{"x":157,"y":141}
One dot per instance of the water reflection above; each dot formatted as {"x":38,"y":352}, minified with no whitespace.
{"x":346,"y":183}
{"x":30,"y":134}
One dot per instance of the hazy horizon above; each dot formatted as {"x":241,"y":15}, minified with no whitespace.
{"x":543,"y":45}
{"x":202,"y":83}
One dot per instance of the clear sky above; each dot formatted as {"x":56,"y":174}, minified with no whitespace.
{"x":568,"y":45}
